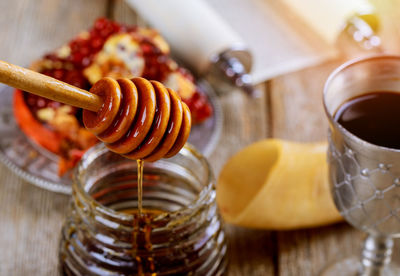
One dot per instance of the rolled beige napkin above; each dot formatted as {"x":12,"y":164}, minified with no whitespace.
{"x":275,"y":184}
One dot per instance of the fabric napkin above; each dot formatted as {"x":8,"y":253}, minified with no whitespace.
{"x":275,"y":184}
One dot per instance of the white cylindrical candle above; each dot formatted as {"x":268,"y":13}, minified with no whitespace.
{"x":196,"y":33}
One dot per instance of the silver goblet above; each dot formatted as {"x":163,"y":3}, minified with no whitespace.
{"x":365,"y":178}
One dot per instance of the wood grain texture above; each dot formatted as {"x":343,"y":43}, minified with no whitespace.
{"x":296,"y":104}
{"x":33,"y":28}
{"x":245,"y":119}
{"x":307,"y":252}
{"x":251,"y":252}
{"x":244,"y":123}
{"x":31,"y":218}
{"x":297,"y":112}
{"x":30,"y":227}
{"x":123,"y":13}
{"x":290,"y":108}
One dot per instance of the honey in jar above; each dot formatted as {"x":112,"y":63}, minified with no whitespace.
{"x":178,"y":232}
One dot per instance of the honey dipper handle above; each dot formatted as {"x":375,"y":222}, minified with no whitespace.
{"x":48,"y":87}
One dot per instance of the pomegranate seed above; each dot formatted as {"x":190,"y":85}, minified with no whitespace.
{"x":58,"y":74}
{"x":86,"y":61}
{"x":157,"y":65}
{"x":41,"y":103}
{"x":85,"y":50}
{"x":77,"y":58}
{"x":96,"y":42}
{"x":54,"y":105}
{"x":147,"y":49}
{"x":100,"y":23}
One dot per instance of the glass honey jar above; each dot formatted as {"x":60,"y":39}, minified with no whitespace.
{"x":179,"y":231}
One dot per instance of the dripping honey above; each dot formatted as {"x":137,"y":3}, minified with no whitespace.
{"x":142,"y":227}
{"x":140,"y":164}
{"x":141,"y":238}
{"x":144,"y":218}
{"x":176,"y":232}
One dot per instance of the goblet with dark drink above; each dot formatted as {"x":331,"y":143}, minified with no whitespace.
{"x":362,"y":103}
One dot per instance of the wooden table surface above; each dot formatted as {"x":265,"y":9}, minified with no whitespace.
{"x":31,"y":218}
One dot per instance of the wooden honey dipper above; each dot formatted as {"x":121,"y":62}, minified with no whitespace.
{"x":136,"y":118}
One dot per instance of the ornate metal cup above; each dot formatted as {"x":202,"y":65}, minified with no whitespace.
{"x":365,"y":178}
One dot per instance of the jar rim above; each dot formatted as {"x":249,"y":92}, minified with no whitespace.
{"x":99,"y":149}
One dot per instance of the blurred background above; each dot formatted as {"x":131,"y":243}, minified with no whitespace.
{"x":294,"y":46}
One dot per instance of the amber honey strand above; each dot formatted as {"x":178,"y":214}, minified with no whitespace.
{"x":148,"y":244}
{"x":140,"y":164}
{"x":140,"y":266}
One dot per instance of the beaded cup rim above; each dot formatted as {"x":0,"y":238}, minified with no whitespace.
{"x":331,"y":78}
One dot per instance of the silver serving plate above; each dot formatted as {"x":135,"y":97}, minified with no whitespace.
{"x":38,"y":166}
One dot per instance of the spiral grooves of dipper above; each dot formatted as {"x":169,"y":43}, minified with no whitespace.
{"x":139,"y":119}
